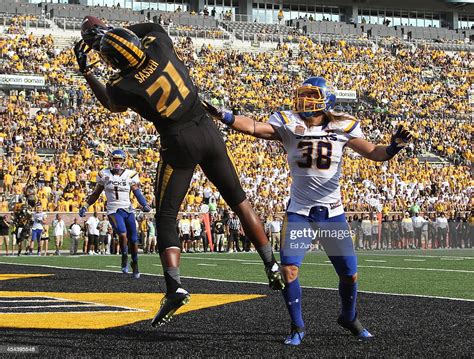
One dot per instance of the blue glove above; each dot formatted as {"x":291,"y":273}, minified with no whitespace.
{"x":146,"y":208}
{"x":225,"y":116}
{"x":82,"y":211}
{"x":398,"y":141}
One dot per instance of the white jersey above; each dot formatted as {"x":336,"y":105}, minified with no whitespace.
{"x":38,"y":220}
{"x":315,"y":158}
{"x":117,"y":188}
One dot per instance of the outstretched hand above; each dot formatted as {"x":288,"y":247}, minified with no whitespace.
{"x":225,"y":116}
{"x":399,"y":140}
{"x":80,"y":50}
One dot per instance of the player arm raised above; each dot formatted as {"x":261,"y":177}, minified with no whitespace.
{"x":100,"y":91}
{"x":380,"y":152}
{"x":98,"y":88}
{"x":244,"y":124}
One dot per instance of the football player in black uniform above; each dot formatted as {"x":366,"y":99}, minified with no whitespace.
{"x":22,"y":216}
{"x":154,"y":82}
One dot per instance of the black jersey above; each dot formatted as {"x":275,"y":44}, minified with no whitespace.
{"x":22,"y":216}
{"x":161,"y":89}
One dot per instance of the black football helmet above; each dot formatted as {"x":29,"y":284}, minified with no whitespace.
{"x":122,"y":49}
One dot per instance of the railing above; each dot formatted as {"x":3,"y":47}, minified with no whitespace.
{"x":40,"y":23}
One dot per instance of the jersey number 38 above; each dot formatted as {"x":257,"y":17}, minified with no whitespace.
{"x":315,"y":154}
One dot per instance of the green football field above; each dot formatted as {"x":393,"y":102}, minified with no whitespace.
{"x":443,"y":273}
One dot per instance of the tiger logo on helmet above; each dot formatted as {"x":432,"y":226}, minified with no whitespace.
{"x":122,"y":49}
{"x":313,"y":96}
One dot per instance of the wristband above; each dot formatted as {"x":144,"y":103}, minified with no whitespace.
{"x":392,"y":150}
{"x":228,"y":118}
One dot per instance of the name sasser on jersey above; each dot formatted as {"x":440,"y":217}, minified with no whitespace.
{"x":117,"y":188}
{"x":315,"y":158}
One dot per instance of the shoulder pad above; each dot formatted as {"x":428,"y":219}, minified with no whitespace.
{"x":104,"y":172}
{"x":342,"y":121}
{"x":281,"y":118}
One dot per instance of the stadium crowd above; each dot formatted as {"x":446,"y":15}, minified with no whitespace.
{"x":60,"y":148}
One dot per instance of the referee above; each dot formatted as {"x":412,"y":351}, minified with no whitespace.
{"x":233,"y":225}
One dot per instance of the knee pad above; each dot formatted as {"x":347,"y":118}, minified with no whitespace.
{"x":290,"y":272}
{"x":349,"y":279}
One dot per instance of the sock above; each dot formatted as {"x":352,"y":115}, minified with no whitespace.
{"x":348,"y":294}
{"x":266,"y":253}
{"x":172,"y":279}
{"x":134,"y":257}
{"x":125,"y":250}
{"x":292,"y":294}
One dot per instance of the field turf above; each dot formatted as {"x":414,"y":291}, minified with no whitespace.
{"x":444,"y":273}
{"x":91,"y":310}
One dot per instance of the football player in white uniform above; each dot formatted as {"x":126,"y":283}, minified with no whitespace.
{"x":38,"y":219}
{"x":117,"y":182}
{"x":314,"y":137}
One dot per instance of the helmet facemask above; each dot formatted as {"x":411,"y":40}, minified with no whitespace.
{"x":309,"y":100}
{"x":117,"y":163}
{"x":93,"y":36}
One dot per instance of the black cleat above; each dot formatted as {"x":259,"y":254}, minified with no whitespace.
{"x":275,"y":279}
{"x":135,"y":272}
{"x":356,"y":328}
{"x":124,"y":264}
{"x":169,"y":305}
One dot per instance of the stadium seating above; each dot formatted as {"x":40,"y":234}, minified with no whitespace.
{"x":67,"y":142}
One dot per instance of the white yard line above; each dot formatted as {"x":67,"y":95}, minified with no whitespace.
{"x":375,"y":260}
{"x":414,"y":260}
{"x":207,"y":264}
{"x":244,"y":282}
{"x":360,"y":265}
{"x":451,"y":259}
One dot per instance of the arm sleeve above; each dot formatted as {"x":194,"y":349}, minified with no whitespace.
{"x":350,"y":128}
{"x":356,"y":131}
{"x":279,"y":123}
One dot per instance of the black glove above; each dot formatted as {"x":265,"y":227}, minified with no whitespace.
{"x":225,"y":116}
{"x":398,"y":141}
{"x":80,"y":50}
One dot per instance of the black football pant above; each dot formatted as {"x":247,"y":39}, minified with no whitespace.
{"x":192,"y":144}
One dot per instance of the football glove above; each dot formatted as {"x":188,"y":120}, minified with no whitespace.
{"x":82,"y":211}
{"x":225,"y":116}
{"x":146,"y":208}
{"x":398,"y":141}
{"x":80,"y":50}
